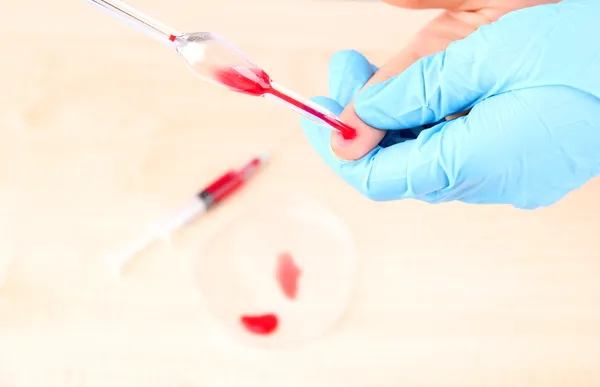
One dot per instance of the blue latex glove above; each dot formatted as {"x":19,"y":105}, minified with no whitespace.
{"x":532,"y":79}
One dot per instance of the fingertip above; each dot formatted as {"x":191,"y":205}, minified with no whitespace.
{"x":366,"y":140}
{"x":352,"y":150}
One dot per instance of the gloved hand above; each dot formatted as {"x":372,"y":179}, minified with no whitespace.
{"x":532,"y":80}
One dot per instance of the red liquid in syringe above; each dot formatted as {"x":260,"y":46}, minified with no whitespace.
{"x":256,"y":82}
{"x":229,"y":183}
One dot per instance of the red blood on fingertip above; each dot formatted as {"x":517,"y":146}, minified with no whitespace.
{"x":288,"y":274}
{"x":260,"y":325}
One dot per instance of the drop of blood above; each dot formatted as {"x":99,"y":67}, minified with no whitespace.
{"x":288,"y":275}
{"x":261,"y":325}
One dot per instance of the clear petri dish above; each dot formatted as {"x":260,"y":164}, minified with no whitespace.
{"x":278,"y":276}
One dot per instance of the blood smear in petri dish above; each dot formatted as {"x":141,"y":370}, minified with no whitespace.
{"x":260,"y":325}
{"x":288,"y":275}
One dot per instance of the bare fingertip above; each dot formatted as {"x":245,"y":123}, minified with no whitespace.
{"x":342,"y":148}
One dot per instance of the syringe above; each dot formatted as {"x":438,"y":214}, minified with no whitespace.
{"x":211,"y":195}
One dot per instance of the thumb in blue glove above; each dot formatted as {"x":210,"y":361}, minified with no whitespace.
{"x":532,"y":136}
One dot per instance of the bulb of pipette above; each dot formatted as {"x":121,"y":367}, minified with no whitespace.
{"x":205,"y":52}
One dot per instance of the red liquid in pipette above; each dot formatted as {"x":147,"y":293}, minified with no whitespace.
{"x":256,"y":82}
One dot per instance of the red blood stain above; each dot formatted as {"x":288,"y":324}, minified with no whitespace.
{"x":288,"y":274}
{"x":260,"y":325}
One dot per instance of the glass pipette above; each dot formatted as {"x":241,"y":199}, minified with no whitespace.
{"x":214,"y":59}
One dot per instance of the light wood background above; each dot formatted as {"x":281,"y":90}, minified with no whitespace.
{"x":103,"y":130}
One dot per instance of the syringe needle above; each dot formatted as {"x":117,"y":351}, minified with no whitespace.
{"x":137,"y":18}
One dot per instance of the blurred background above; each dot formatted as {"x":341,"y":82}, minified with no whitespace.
{"x":104,"y":130}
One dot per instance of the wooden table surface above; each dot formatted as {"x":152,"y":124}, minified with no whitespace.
{"x":104,"y":129}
